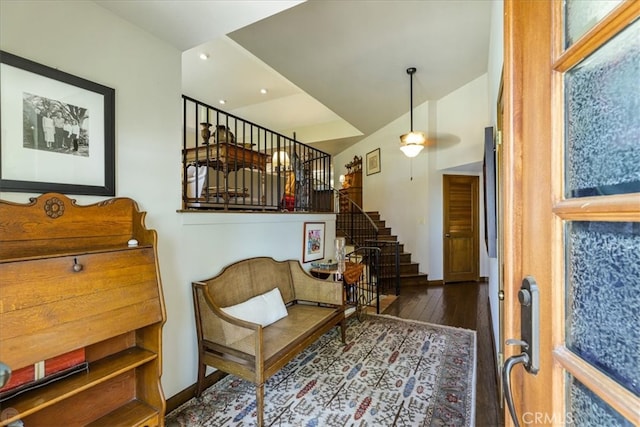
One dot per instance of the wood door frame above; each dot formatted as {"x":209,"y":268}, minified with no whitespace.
{"x":476,"y":236}
{"x":528,"y":90}
{"x":535,"y":205}
{"x":499,"y":236}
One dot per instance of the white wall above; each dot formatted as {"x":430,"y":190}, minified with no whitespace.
{"x":399,"y":192}
{"x":408,"y":192}
{"x":461,"y":119}
{"x":146,"y":75}
{"x":206,"y":243}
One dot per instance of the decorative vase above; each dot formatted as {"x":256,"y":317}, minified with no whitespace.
{"x":205,"y":132}
{"x":340,"y":244}
{"x":223,"y":134}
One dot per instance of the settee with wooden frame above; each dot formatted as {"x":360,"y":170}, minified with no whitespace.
{"x":250,"y":350}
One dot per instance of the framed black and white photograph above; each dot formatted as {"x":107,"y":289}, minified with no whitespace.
{"x":373,"y":161}
{"x":57,"y":130}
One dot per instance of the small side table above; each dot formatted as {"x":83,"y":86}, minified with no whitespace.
{"x":325,"y":273}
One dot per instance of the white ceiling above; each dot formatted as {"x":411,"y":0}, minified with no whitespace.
{"x":335,"y":70}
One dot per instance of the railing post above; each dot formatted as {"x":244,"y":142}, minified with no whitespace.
{"x":397,"y":262}
{"x":377,"y":262}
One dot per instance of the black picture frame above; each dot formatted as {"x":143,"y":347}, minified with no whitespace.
{"x":373,"y":162}
{"x":82,"y":151}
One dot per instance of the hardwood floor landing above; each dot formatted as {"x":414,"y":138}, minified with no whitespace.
{"x":464,"y":305}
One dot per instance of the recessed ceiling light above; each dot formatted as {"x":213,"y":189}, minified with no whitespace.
{"x":204,"y":56}
{"x":263,"y":91}
{"x":222,"y":101}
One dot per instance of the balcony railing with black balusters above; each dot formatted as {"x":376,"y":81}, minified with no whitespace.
{"x":233,"y":164}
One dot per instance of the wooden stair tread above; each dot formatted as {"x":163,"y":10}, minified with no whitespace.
{"x":408,"y":273}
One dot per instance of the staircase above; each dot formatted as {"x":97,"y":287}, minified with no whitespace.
{"x":410,"y":274}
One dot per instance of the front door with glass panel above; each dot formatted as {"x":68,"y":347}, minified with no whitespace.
{"x":572,"y":207}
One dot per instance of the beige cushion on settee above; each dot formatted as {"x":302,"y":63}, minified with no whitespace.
{"x":263,"y":309}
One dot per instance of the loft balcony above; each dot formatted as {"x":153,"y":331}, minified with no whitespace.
{"x":232,"y":164}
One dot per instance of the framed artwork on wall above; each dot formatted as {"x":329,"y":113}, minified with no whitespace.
{"x":313,"y":241}
{"x":373,"y":161}
{"x":57,"y":131}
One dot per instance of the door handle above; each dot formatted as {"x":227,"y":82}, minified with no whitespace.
{"x":447,"y":235}
{"x":506,"y":382}
{"x":529,"y":299}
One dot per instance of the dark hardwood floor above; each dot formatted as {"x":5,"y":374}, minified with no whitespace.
{"x":464,"y":305}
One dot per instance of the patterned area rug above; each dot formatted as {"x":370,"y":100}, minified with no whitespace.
{"x":392,"y":372}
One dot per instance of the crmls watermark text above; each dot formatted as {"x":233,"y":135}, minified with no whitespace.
{"x":544,"y":418}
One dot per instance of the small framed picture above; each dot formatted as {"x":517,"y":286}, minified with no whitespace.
{"x":313,"y":241}
{"x":373,"y":161}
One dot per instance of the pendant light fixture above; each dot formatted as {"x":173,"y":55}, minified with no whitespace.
{"x":413,"y":142}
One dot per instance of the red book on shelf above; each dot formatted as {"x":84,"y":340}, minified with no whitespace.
{"x":44,"y":372}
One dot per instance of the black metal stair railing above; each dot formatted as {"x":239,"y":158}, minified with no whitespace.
{"x":382,"y":257}
{"x":232,"y":163}
{"x":389,"y":265}
{"x":365,"y":291}
{"x":354,"y":223}
{"x":360,"y":230}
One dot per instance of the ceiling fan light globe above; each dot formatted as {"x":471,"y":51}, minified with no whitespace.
{"x":412,"y":143}
{"x":411,"y":150}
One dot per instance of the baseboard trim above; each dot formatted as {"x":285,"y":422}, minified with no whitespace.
{"x":496,"y":360}
{"x":441,"y":282}
{"x":190,"y":392}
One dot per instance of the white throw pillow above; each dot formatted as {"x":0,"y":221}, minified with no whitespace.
{"x":263,"y":309}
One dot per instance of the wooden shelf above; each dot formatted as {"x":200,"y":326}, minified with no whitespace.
{"x":100,"y":371}
{"x":133,"y":413}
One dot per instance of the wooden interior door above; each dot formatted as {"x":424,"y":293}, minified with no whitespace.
{"x":461,"y":229}
{"x":572,"y":207}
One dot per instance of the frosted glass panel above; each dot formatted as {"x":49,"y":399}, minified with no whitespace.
{"x":603,"y":297}
{"x":602,"y":119}
{"x":582,"y":15}
{"x":585,"y":409}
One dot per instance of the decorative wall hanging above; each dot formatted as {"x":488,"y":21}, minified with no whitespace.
{"x":57,"y":131}
{"x":373,"y":161}
{"x":313,"y":241}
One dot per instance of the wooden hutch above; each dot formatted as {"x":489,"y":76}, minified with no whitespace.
{"x":72,"y":282}
{"x":352,"y":185}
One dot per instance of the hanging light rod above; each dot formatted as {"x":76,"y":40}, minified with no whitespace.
{"x":413,"y":142}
